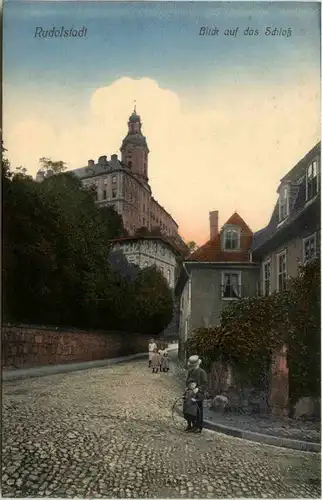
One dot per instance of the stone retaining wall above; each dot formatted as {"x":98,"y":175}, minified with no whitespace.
{"x":29,"y":346}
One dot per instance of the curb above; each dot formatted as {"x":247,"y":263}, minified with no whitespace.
{"x":269,"y":439}
{"x":42,"y":371}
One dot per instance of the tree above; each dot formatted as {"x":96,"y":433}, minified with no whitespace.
{"x":192,"y":246}
{"x":47,"y":165}
{"x":56,"y":266}
{"x":152,"y":302}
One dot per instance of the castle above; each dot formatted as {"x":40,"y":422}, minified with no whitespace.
{"x":124,"y":185}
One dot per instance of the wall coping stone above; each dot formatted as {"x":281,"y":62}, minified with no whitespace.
{"x":41,"y":371}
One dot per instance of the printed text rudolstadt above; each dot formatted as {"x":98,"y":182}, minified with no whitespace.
{"x":60,"y":32}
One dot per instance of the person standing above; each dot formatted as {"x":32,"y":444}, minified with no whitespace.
{"x":155,"y":361}
{"x":165,"y":361}
{"x":199,"y":377}
{"x":152,"y":347}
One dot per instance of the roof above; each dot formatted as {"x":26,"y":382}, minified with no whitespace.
{"x":134,"y":117}
{"x":128,"y":239}
{"x":98,"y":169}
{"x":302,"y":164}
{"x":297,"y":181}
{"x":212,"y":250}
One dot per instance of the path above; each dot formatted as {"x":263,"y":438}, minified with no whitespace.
{"x":108,"y":432}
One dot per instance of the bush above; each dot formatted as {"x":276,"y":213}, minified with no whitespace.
{"x":253,"y":328}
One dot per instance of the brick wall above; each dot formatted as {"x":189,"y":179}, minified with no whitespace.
{"x":28,"y":346}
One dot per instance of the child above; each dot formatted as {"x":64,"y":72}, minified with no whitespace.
{"x":155,"y":361}
{"x":165,"y":361}
{"x":161,"y":353}
{"x":190,"y":406}
{"x":152,"y":347}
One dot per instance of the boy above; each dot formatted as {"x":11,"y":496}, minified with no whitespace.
{"x":190,"y":406}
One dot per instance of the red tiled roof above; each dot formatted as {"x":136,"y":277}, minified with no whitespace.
{"x":212,"y":251}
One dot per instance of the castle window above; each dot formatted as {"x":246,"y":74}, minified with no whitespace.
{"x":104,"y":194}
{"x":312,"y":180}
{"x":113,"y":179}
{"x":231,"y":239}
{"x":129,"y":164}
{"x":113,"y":193}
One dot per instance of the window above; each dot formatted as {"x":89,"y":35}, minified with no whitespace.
{"x":312,"y":180}
{"x":169,"y":276}
{"x":309,"y":248}
{"x":231,"y":239}
{"x":113,"y":193}
{"x":284,"y":203}
{"x":105,"y":182}
{"x":104,"y":194}
{"x":267,"y":277}
{"x":131,"y":197}
{"x":143,"y":221}
{"x":113,"y":179}
{"x":231,"y":285}
{"x":281,"y":272}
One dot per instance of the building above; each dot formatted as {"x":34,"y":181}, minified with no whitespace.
{"x":236,"y":263}
{"x":147,"y":251}
{"x":123,"y":183}
{"x":292,"y":236}
{"x":218,"y":272}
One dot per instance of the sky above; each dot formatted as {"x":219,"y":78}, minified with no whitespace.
{"x":225,"y":116}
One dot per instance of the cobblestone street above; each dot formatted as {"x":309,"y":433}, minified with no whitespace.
{"x":109,"y":432}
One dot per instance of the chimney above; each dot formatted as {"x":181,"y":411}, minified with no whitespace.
{"x":90,"y":163}
{"x":213,"y":218}
{"x":102,"y":160}
{"x":114,"y":157}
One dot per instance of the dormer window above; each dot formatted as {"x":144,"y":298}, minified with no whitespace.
{"x":312,"y":180}
{"x":231,"y":239}
{"x":284,"y":203}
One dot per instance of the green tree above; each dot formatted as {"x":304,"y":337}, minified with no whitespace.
{"x":192,"y":246}
{"x":47,"y":165}
{"x":152,"y":302}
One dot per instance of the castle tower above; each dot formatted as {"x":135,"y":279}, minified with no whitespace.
{"x":134,"y":148}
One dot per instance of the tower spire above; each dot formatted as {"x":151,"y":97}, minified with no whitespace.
{"x":134,"y":106}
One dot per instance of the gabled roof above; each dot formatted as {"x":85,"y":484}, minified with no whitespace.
{"x":212,"y":250}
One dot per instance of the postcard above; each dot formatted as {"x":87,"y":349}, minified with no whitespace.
{"x":161,"y":249}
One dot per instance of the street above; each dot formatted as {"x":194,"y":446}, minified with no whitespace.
{"x":109,"y":432}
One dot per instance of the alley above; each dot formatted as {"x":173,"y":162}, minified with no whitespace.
{"x":108,"y":432}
